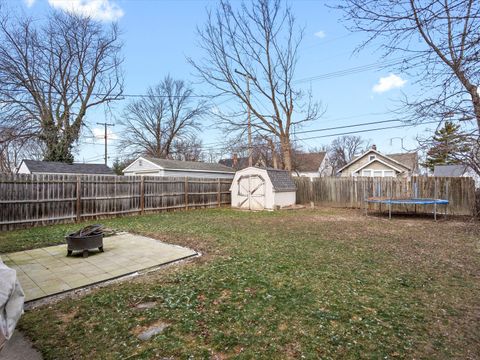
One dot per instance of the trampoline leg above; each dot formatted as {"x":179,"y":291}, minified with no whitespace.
{"x":435,"y":211}
{"x":390,"y":211}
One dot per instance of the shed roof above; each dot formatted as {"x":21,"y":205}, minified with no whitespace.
{"x":189,"y":165}
{"x":450,"y":170}
{"x":281,"y":180}
{"x":55,"y":167}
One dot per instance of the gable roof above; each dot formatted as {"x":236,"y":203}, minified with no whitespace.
{"x":450,"y":170}
{"x":388,"y":157}
{"x":409,"y":159}
{"x":55,"y":167}
{"x":308,"y":162}
{"x":281,"y":180}
{"x":377,"y":160}
{"x":168,"y":164}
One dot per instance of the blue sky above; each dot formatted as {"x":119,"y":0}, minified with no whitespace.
{"x":159,"y":35}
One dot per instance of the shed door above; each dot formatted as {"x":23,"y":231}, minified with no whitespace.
{"x":251,"y":192}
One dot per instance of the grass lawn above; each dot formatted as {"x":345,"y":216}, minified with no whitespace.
{"x":325,"y":283}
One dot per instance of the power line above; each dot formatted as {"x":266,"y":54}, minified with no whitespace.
{"x":350,"y":126}
{"x":369,"y":130}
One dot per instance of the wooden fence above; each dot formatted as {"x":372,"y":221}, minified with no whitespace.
{"x":27,"y":200}
{"x":350,"y":192}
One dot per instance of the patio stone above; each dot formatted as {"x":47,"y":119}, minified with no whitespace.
{"x":48,"y":271}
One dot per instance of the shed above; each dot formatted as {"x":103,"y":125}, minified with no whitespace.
{"x":256,"y":188}
{"x":176,"y":168}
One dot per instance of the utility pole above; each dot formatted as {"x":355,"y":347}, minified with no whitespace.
{"x":105,"y":137}
{"x":247,"y":79}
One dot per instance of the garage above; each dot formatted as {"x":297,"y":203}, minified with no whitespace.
{"x":256,"y":188}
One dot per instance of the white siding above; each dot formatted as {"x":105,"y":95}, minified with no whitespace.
{"x":23,"y":169}
{"x":198,"y":174}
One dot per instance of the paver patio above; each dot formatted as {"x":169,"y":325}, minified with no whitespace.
{"x":48,"y":271}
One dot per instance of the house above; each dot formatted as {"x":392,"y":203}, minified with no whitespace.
{"x":312,"y":165}
{"x":239,"y":163}
{"x":457,"y":171}
{"x":255,"y":188}
{"x":55,"y":167}
{"x":176,"y":168}
{"x":372,"y":163}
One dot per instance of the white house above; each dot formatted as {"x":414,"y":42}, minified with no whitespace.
{"x":312,"y":165}
{"x":176,"y":168}
{"x":258,"y":189}
{"x":373,"y":163}
{"x":55,"y":167}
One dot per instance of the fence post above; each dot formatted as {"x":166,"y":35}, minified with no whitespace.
{"x":186,"y":193}
{"x":79,"y":198}
{"x":219,"y":194}
{"x":142,"y":196}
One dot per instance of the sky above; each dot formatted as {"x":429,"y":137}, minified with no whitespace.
{"x":159,"y":35}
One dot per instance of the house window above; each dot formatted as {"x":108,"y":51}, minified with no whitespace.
{"x":371,"y":157}
{"x":378,"y":173}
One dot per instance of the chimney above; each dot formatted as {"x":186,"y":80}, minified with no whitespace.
{"x":374,"y":147}
{"x":235,"y":161}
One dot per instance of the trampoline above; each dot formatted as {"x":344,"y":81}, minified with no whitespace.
{"x":406,"y":201}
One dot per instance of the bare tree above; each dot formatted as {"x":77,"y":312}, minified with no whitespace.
{"x":257,"y":44}
{"x":189,"y":149}
{"x":155,"y":122}
{"x":52,"y":73}
{"x":14,"y":147}
{"x":344,"y":149}
{"x":439,"y":43}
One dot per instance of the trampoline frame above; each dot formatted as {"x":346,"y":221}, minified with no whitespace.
{"x":406,"y":201}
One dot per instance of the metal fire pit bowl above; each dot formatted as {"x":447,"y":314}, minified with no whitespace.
{"x":90,"y":237}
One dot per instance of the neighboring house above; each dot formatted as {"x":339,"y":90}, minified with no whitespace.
{"x":372,"y":163}
{"x":177,"y":168}
{"x":457,"y":171}
{"x":239,"y":163}
{"x":55,"y":167}
{"x":312,"y":165}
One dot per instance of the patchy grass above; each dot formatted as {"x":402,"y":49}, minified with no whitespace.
{"x":315,"y":283}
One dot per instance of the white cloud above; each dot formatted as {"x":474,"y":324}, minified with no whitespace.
{"x":29,"y":3}
{"x":320,"y":34}
{"x":104,"y":10}
{"x":389,"y":82}
{"x":99,"y":133}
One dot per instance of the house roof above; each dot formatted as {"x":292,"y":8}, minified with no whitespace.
{"x":408,"y":159}
{"x":380,"y":161}
{"x":411,"y":158}
{"x":281,"y":180}
{"x":450,"y":170}
{"x":189,"y":165}
{"x":55,"y":167}
{"x":308,"y":162}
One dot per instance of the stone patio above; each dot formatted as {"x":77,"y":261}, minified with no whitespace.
{"x":48,"y":271}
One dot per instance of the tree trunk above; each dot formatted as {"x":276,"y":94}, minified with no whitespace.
{"x":476,"y":105}
{"x":287,"y":152}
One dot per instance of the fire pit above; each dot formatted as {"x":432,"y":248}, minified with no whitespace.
{"x":90,"y":237}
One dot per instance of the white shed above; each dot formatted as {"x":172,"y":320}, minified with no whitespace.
{"x":175,"y":168}
{"x":257,"y":189}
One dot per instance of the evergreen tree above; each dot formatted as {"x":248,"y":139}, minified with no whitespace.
{"x":448,"y":146}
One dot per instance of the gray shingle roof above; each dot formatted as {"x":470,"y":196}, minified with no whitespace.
{"x":54,"y":167}
{"x":450,"y":170}
{"x":281,"y":180}
{"x":190,"y":165}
